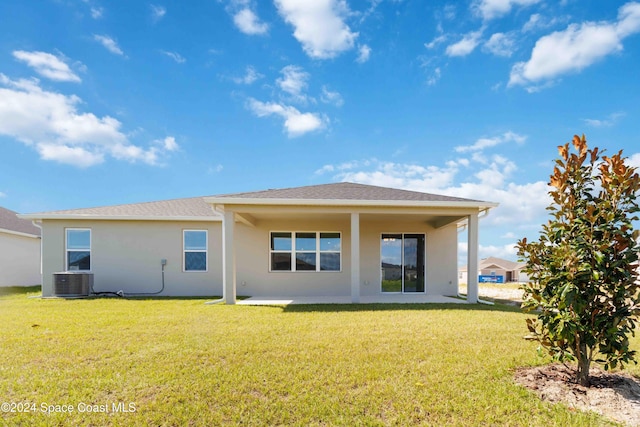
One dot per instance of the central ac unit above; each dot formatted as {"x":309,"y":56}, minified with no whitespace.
{"x":72,"y":284}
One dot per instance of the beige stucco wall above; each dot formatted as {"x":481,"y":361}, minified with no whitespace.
{"x":125,"y":255}
{"x":255,"y":279}
{"x":19,"y":260}
{"x":253,"y":260}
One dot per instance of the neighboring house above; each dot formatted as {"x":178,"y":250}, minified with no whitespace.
{"x":19,"y":251}
{"x":496,"y":270}
{"x":348,"y":240}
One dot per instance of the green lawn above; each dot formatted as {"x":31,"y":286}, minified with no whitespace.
{"x":179,"y":362}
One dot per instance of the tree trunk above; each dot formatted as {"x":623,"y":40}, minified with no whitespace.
{"x":583,"y":366}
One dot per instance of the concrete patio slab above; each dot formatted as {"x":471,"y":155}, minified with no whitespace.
{"x":376,"y":299}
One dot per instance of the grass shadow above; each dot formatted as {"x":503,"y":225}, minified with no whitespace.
{"x":19,"y":290}
{"x":337,"y":308}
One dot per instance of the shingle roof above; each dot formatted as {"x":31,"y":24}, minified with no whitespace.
{"x":344,"y":191}
{"x":9,"y":221}
{"x":193,"y":207}
{"x":503,"y":263}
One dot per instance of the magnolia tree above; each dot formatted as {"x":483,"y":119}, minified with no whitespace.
{"x":583,"y":269}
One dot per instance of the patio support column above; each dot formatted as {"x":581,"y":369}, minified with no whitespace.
{"x":472,"y":259}
{"x":228,"y":258}
{"x":355,"y":257}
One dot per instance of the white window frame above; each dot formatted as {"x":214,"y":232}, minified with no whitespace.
{"x":185,"y":250}
{"x":293,"y":252}
{"x":67,"y":250}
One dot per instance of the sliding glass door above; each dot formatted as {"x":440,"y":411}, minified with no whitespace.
{"x":402,"y":262}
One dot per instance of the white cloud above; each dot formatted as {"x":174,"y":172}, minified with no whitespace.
{"x":175,"y":56}
{"x":435,"y":42}
{"x":465,"y":46}
{"x":97,"y":12}
{"x":611,"y":120}
{"x":500,"y":44}
{"x":364,"y":52}
{"x":449,"y":12}
{"x":295,"y":122}
{"x":47,"y":65}
{"x":539,"y":22}
{"x":434,"y":77}
{"x":110,"y":44}
{"x":491,"y":9}
{"x":507,"y":251}
{"x":533,"y":23}
{"x":331,"y":97}
{"x":490,"y":178}
{"x":576,"y":48}
{"x":157,"y":12}
{"x":483,"y":143}
{"x":169,"y":144}
{"x":51,"y":123}
{"x":215,"y":169}
{"x":634,"y":160}
{"x":391,"y":174}
{"x":519,"y":203}
{"x":3,"y":194}
{"x":319,"y":26}
{"x":294,"y":82}
{"x":250,"y":76}
{"x":248,"y":22}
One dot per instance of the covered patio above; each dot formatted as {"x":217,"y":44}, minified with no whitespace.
{"x":360,"y":215}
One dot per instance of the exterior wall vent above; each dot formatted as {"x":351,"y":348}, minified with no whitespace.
{"x":72,"y":284}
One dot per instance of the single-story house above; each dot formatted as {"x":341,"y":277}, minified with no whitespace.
{"x":496,"y":270}
{"x":19,"y":250}
{"x":344,"y":239}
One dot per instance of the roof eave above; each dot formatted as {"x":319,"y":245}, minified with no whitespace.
{"x":19,"y":233}
{"x":118,"y":217}
{"x":348,"y":202}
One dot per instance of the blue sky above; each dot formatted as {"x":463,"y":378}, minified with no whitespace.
{"x":110,"y":102}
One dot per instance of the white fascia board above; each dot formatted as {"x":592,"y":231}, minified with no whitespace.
{"x":341,"y":202}
{"x":19,"y":233}
{"x":119,"y":217}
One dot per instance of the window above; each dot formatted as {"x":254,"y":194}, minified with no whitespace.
{"x":330,"y":251}
{"x":306,"y":254}
{"x":305,"y":251}
{"x":195,"y":250}
{"x":78,"y":248}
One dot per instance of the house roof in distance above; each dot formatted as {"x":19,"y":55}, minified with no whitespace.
{"x":499,"y":262}
{"x":345,"y":192}
{"x":495,"y":262}
{"x":9,"y":222}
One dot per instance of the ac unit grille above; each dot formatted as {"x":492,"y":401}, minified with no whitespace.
{"x":72,"y":284}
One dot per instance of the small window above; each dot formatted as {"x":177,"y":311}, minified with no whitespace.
{"x":330,"y":251}
{"x":78,"y":249}
{"x":281,"y":247}
{"x":306,"y":252}
{"x":195,"y":250}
